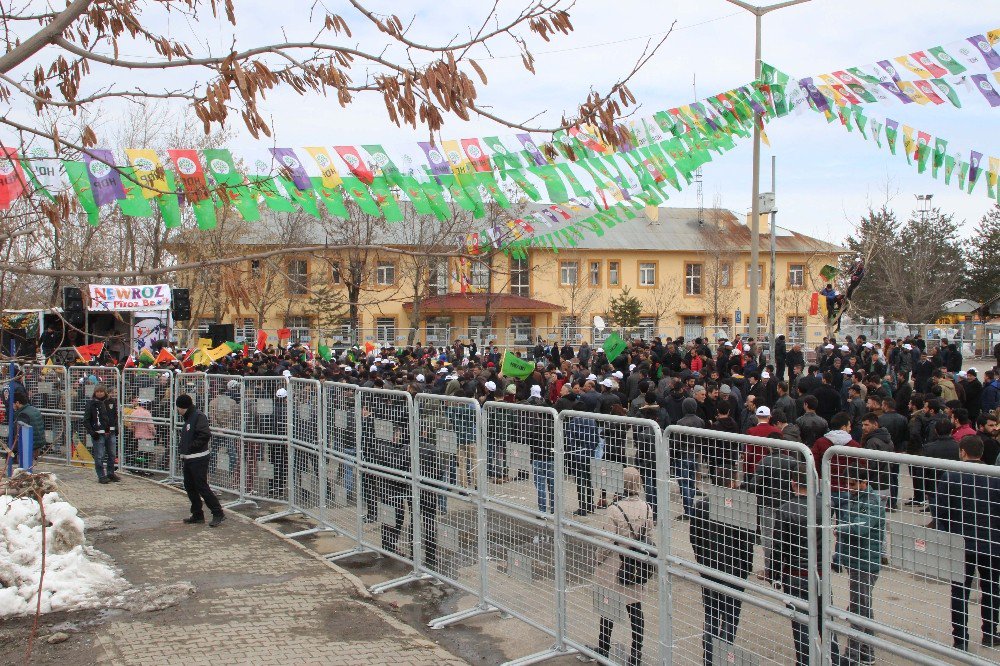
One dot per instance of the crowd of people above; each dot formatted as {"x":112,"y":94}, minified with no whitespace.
{"x":893,"y":396}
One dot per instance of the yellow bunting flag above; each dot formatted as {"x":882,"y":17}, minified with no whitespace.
{"x":148,"y":171}
{"x":326,"y":166}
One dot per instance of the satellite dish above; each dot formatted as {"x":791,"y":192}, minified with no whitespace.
{"x":599,"y":323}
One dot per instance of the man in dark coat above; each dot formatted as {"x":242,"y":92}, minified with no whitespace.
{"x":192,"y":448}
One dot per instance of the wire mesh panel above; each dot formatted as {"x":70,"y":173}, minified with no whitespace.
{"x":519,"y":455}
{"x":343,"y":509}
{"x":194,"y":384}
{"x":47,"y":388}
{"x":5,"y":380}
{"x":921,"y":583}
{"x":609,"y":486}
{"x":308,"y":482}
{"x":447,"y":430}
{"x":82,"y":382}
{"x":224,"y":409}
{"x":385,"y":474}
{"x":744,"y":538}
{"x":147,"y":405}
{"x":265,"y":437}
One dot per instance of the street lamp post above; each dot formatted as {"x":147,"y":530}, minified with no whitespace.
{"x":758,"y":12}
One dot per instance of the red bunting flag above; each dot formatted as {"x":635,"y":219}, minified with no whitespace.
{"x":284,"y":333}
{"x":11,"y":177}
{"x":356,"y":163}
{"x":88,"y":352}
{"x":191,"y":175}
{"x":164,"y":356}
{"x":130,"y":362}
{"x":261,"y":340}
{"x":814,"y":304}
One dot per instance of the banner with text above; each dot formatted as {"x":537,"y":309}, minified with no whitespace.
{"x":123,"y":298}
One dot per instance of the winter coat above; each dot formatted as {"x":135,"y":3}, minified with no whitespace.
{"x":720,"y":546}
{"x":878,"y":440}
{"x":195,"y":433}
{"x":966,"y":503}
{"x":948,"y":391}
{"x":140,"y":421}
{"x":29,"y":415}
{"x":811,"y":426}
{"x":97,"y":417}
{"x":991,"y":396}
{"x":838,"y":464}
{"x":640,"y":515}
{"x":861,"y":531}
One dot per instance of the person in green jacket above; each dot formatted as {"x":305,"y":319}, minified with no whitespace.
{"x":860,"y":535}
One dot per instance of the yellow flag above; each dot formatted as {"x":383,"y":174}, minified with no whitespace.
{"x":218,"y":352}
{"x":459,"y":163}
{"x":148,"y":171}
{"x":204,"y":343}
{"x":326,"y":166}
{"x":912,"y":92}
{"x":993,"y":36}
{"x":838,"y":99}
{"x":993,"y":172}
{"x":908,"y":144}
{"x":914,"y":67}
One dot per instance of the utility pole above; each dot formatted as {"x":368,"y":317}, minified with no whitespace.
{"x":758,"y":12}
{"x":772,"y":310}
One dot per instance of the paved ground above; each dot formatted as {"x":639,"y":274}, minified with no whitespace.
{"x":258,"y":599}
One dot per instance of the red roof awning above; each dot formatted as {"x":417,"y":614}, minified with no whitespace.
{"x":478,"y":302}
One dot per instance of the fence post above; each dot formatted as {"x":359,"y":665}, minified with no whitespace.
{"x":321,"y":439}
{"x":819,"y":650}
{"x":824,"y":589}
{"x":482,"y":542}
{"x":416,"y":513}
{"x":665,"y":589}
{"x":559,"y":536}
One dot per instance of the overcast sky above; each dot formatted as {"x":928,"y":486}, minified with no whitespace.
{"x":825,"y":176}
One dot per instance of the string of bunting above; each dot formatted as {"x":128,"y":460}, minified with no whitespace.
{"x":575,"y":171}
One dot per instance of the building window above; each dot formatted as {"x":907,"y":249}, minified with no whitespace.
{"x":479,"y":276}
{"x":647,"y":327}
{"x":385,"y":330}
{"x":796,"y":332}
{"x":385,"y":274}
{"x":438,"y":279}
{"x":614,"y":271}
{"x":335,"y":272}
{"x":520,"y":277}
{"x":247,"y":331}
{"x":298,"y":277}
{"x":569,"y":328}
{"x":694,"y":327}
{"x":647,"y":275}
{"x":692,"y":279}
{"x":595,"y":274}
{"x":520,"y":329}
{"x":725,"y":275}
{"x":796,"y":275}
{"x":480,"y":328}
{"x":438,"y":330}
{"x":255,"y":268}
{"x":760,"y":275}
{"x":299,"y":328}
{"x":203,"y":325}
{"x":567,"y":273}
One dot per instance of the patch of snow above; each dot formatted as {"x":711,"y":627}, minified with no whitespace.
{"x":76,"y":575}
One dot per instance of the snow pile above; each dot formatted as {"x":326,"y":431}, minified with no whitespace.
{"x":76,"y":575}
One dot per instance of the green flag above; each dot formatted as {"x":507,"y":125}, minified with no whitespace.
{"x":948,"y":91}
{"x":223,"y":170}
{"x":512,"y":366}
{"x":134,"y":204}
{"x":361,"y":196}
{"x":170,"y":208}
{"x":828,"y":272}
{"x":77,"y":174}
{"x":304,"y":198}
{"x":614,"y":346}
{"x":386,"y":200}
{"x":324,"y":352}
{"x":204,"y":213}
{"x":554,"y":185}
{"x":949,"y":168}
{"x":940,"y":149}
{"x":331,"y":197}
{"x":265,"y":186}
{"x":946,"y":60}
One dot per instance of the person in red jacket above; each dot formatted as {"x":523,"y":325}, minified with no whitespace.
{"x":754,"y":453}
{"x":839,"y":435}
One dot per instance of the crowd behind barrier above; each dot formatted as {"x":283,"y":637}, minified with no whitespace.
{"x":638,"y":512}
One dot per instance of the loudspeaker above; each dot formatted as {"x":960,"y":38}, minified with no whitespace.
{"x":221,"y":333}
{"x":73,"y":306}
{"x":180,"y":305}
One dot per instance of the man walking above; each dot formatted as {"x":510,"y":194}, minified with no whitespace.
{"x":194,"y":454}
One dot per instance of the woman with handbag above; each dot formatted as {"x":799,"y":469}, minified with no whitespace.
{"x":630,"y":517}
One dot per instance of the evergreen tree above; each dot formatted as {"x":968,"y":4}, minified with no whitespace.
{"x":625,"y":309}
{"x":873,"y":240}
{"x":983,"y":274}
{"x":924,"y":269}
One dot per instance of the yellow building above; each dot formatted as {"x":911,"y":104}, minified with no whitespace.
{"x":689,"y":269}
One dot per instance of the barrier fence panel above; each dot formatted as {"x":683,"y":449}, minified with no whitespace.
{"x":385,"y":479}
{"x":743,"y":549}
{"x":265,"y":437}
{"x":917,"y":585}
{"x":147,"y":402}
{"x":307,"y":467}
{"x":343,"y":500}
{"x":522,"y":565}
{"x":448,"y":505}
{"x":224,"y":407}
{"x":612,"y":604}
{"x":82,"y":382}
{"x":48,"y":390}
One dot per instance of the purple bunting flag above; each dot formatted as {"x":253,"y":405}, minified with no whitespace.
{"x":983,"y":46}
{"x":105,"y":181}
{"x":289,"y":162}
{"x":439,"y":165}
{"x":975,"y":158}
{"x":899,"y":94}
{"x":818,"y":98}
{"x":531,"y":148}
{"x":888,"y":67}
{"x":988,"y":91}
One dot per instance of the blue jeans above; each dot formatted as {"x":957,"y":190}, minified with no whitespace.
{"x":544,"y":475}
{"x":347,"y":469}
{"x":686,"y":471}
{"x":104,"y":456}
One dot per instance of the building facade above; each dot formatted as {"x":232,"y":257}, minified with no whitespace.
{"x":688,"y":268}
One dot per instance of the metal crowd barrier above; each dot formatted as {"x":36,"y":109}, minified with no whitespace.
{"x":525,"y":510}
{"x":82,"y":381}
{"x":48,"y":387}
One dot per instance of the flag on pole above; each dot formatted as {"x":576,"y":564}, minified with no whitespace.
{"x":146,"y":358}
{"x":261,"y":340}
{"x":614,"y":346}
{"x":88,"y":352}
{"x":164,"y":356}
{"x":512,"y":366}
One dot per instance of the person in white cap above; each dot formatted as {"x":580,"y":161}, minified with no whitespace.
{"x":277,"y":425}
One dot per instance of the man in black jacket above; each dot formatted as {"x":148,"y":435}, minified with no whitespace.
{"x":101,"y":423}
{"x":193,"y":450}
{"x":728,"y":549}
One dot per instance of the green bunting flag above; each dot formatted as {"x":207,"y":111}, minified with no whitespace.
{"x":234,"y":189}
{"x":332,"y":197}
{"x":77,"y":174}
{"x":324,"y":352}
{"x":361,"y":196}
{"x":613,"y":347}
{"x":170,"y":208}
{"x":512,"y":366}
{"x":134,"y":204}
{"x":266,"y":187}
{"x":828,"y":272}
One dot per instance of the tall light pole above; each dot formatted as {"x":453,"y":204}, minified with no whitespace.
{"x":758,"y":12}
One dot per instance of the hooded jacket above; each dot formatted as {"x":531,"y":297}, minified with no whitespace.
{"x":861,"y":531}
{"x":991,"y":396}
{"x":689,"y":408}
{"x":837,"y":464}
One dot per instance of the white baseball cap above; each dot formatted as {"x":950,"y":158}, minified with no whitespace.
{"x":828,"y":347}
{"x":845,"y":348}
{"x":450,"y":377}
{"x":631,"y":367}
{"x":281,"y":393}
{"x":617,"y":374}
{"x":420,"y":378}
{"x":963,"y":373}
{"x":728,"y":344}
{"x":490,"y":386}
{"x":763,"y":411}
{"x":608,"y":383}
{"x":591,"y":377}
{"x":746,"y":347}
{"x":233,"y":385}
{"x":442,"y":371}
{"x":765,"y":375}
{"x":907,"y":346}
{"x":286,"y":373}
{"x":868,"y":345}
{"x":536,"y":391}
{"x":847,"y":371}
{"x":374,"y":368}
